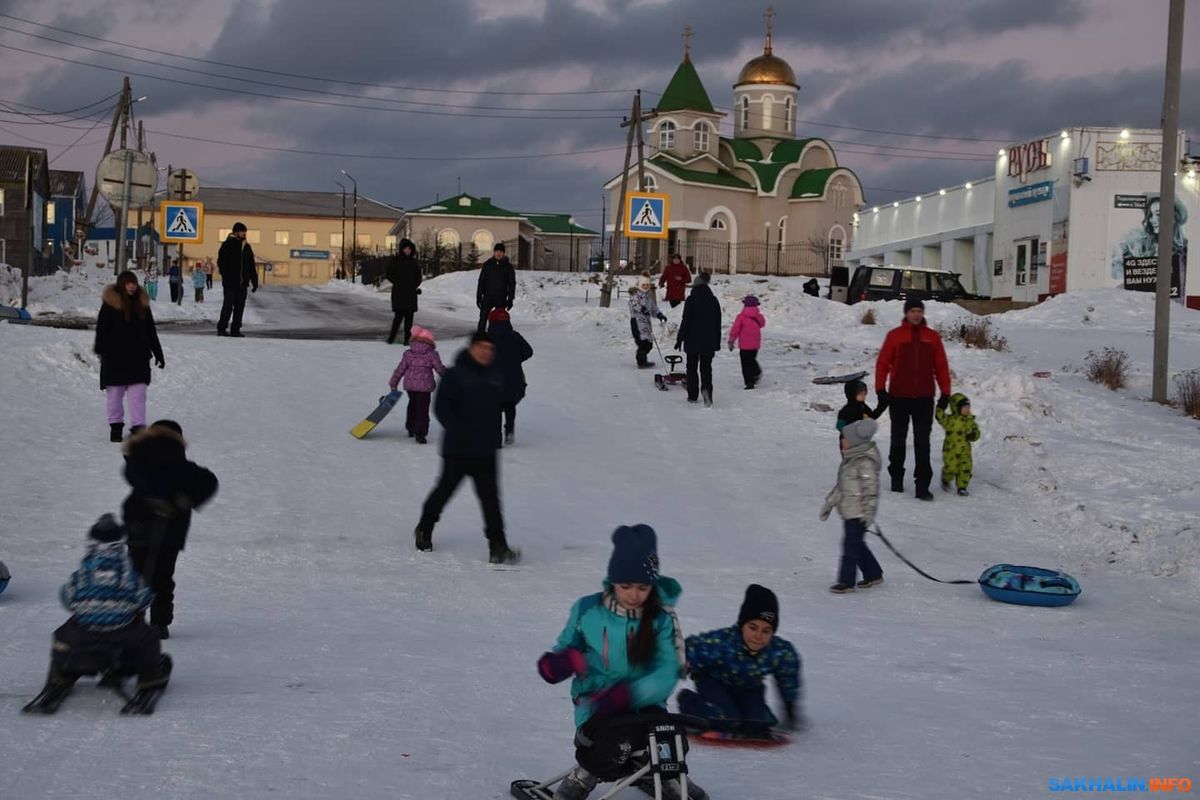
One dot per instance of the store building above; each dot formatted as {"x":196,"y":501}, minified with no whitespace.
{"x":1076,"y":209}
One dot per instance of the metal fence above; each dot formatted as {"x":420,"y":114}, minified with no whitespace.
{"x":755,"y":258}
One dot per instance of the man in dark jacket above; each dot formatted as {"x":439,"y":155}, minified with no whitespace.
{"x":511,"y":352}
{"x":158,"y":512}
{"x":913,"y":358}
{"x":405,"y":275}
{"x":700,"y":337}
{"x":235,"y":262}
{"x":468,"y":405}
{"x":497,"y":285}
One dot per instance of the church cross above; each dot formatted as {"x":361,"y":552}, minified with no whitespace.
{"x":769,"y":17}
{"x":687,"y":42}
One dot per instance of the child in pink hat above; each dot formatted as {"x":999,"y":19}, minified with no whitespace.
{"x":746,"y":334}
{"x":417,"y":366}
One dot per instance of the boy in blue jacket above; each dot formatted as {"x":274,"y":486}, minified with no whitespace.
{"x":729,"y":667}
{"x":624,"y":650}
{"x":107,"y":598}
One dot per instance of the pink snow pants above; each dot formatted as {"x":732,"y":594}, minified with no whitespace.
{"x":137,"y":403}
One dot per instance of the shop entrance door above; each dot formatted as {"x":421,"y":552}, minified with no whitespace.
{"x":1026,"y":275}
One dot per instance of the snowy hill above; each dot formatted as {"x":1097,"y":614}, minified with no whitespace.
{"x":319,"y":656}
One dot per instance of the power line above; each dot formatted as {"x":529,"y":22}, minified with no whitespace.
{"x":322,"y":79}
{"x":12,"y":109}
{"x":68,"y":148}
{"x":73,"y":110}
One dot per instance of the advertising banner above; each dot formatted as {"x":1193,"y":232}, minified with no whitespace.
{"x":1133,"y":243}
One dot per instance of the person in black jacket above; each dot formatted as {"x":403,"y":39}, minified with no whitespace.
{"x":158,"y":511}
{"x":856,"y":407}
{"x":497,"y":285}
{"x":700,"y":337}
{"x":235,"y":262}
{"x":468,"y":405}
{"x":405,"y":275}
{"x":511,"y":352}
{"x":125,"y":341}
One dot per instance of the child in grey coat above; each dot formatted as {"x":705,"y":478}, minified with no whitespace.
{"x":856,"y":496}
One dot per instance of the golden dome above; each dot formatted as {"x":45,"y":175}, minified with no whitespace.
{"x":767,"y":68}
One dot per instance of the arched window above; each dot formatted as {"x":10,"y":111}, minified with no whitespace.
{"x":837,"y":244}
{"x":448,"y":238}
{"x":838,"y":192}
{"x":666,"y":135}
{"x":783,"y":230}
{"x":483,"y":240}
{"x":745,"y":112}
{"x":700,"y":137}
{"x":787,"y":115}
{"x":768,"y":109}
{"x":718,"y":224}
{"x":651,"y":183}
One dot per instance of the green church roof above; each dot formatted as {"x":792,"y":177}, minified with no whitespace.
{"x":685,"y":91}
{"x":720,"y":178}
{"x":811,"y":182}
{"x":557,"y":223}
{"x":464,"y":205}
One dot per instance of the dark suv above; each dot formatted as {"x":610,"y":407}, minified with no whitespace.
{"x":900,"y":283}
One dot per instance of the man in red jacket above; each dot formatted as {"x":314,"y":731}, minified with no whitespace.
{"x":913,"y":357}
{"x":675,"y":277}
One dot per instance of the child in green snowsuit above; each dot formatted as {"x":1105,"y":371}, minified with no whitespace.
{"x":961,"y":430}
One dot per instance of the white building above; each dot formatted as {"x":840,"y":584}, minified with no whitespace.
{"x":1077,"y":209}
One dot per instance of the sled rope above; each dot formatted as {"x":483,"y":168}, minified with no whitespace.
{"x":879,"y":532}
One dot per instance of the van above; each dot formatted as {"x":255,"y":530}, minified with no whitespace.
{"x":892,"y":282}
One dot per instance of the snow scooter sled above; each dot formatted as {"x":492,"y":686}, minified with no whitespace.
{"x":766,"y":739}
{"x":105,"y":661}
{"x":672,"y":378}
{"x":663,"y":773}
{"x":852,"y":376}
{"x":386,"y":404}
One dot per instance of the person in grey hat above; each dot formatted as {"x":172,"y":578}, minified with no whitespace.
{"x":856,"y":497}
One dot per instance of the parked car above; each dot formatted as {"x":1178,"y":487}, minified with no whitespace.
{"x":892,"y":282}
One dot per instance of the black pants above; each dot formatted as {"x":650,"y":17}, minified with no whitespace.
{"x":176,"y":292}
{"x":702,"y":362}
{"x":199,"y":294}
{"x":751,"y":372}
{"x":208,"y":280}
{"x":611,"y":752}
{"x":856,"y":556}
{"x":644,"y":346}
{"x":674,"y":302}
{"x":161,"y":564}
{"x":920,"y":411}
{"x":417,"y":420}
{"x":140,"y":649}
{"x":485,"y":474}
{"x":486,"y":309}
{"x":233,"y":305}
{"x":510,"y":417}
{"x":399,"y":318}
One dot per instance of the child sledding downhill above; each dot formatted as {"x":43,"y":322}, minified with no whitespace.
{"x":106,"y":632}
{"x":856,"y":497}
{"x":642,"y":309}
{"x":746,"y":333}
{"x":961,"y":431}
{"x":729,"y":666}
{"x":624,"y":652}
{"x":417,"y":367}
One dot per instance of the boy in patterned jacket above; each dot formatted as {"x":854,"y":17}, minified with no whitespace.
{"x":107,"y":599}
{"x":729,"y":667}
{"x":961,"y":430}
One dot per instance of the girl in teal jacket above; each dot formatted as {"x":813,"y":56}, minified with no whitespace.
{"x":624,"y":650}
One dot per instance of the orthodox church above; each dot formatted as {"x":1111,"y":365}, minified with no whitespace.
{"x":763,"y":200}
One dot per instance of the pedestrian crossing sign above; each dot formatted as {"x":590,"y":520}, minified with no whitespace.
{"x":181,"y":222}
{"x":646,"y":215}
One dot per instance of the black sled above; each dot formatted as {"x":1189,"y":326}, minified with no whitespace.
{"x":660,"y":769}
{"x":104,"y":661}
{"x":672,"y":378}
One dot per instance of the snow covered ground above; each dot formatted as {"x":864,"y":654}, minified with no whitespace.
{"x":319,"y":656}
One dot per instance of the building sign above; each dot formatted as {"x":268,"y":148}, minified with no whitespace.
{"x":310,"y":255}
{"x":1033,"y":193}
{"x":1026,"y":158}
{"x":182,"y":222}
{"x":1129,"y":201}
{"x":1058,"y":257}
{"x":1133,"y":243}
{"x":998,"y":267}
{"x":1129,"y":156}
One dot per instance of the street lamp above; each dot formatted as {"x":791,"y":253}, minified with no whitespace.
{"x":342,"y":263}
{"x":354,"y":228}
{"x":571,"y":221}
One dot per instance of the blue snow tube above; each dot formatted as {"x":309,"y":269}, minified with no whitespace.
{"x":4,"y":576}
{"x":1029,"y":586}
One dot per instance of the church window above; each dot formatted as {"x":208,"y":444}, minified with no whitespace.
{"x":782,"y":230}
{"x":838,"y":192}
{"x":745,"y":112}
{"x":768,"y":109}
{"x":718,"y":224}
{"x":701,"y":136}
{"x":787,"y":115}
{"x":650,"y":184}
{"x":482,"y":240}
{"x":666,"y":135}
{"x":448,"y":237}
{"x":837,"y":244}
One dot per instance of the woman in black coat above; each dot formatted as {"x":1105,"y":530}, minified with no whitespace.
{"x":511,"y":352}
{"x":700,"y":337}
{"x":126,"y":339}
{"x":405,"y":275}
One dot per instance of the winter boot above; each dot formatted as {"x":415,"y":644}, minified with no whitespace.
{"x":501,"y":553}
{"x":422,"y":440}
{"x":945,"y":486}
{"x":924,"y":494}
{"x":510,"y":436}
{"x":578,"y":784}
{"x":842,"y":588}
{"x":707,"y":395}
{"x":114,"y":431}
{"x":963,"y":492}
{"x":424,"y":540}
{"x":867,"y":584}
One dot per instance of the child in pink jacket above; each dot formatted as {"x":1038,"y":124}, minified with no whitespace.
{"x":747,"y":334}
{"x":417,"y":366}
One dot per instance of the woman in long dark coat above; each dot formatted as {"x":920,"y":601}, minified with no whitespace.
{"x":126,"y":339}
{"x":405,"y":275}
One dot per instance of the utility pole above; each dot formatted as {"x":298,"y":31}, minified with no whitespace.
{"x":354,"y":229}
{"x":603,"y":224}
{"x":643,"y":245}
{"x":635,"y":119}
{"x":138,"y":254}
{"x":343,"y":261}
{"x":1166,"y":204}
{"x":27,"y":202}
{"x":122,"y":247}
{"x":112,"y":132}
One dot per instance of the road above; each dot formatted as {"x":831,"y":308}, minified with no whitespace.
{"x":293,"y":312}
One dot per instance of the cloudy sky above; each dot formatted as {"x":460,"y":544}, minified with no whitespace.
{"x":521,"y":99}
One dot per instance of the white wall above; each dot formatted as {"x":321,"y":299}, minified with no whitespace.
{"x":935,"y":215}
